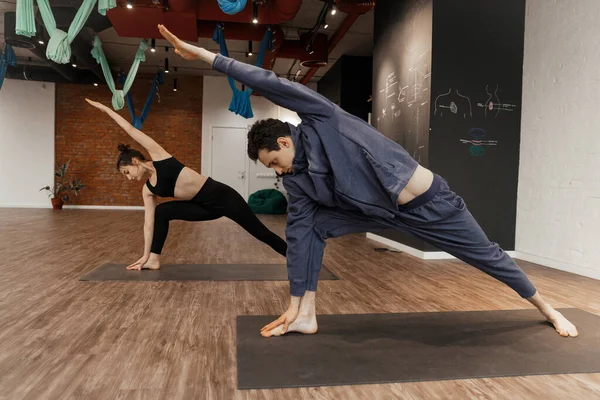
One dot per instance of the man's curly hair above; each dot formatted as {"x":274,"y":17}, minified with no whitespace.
{"x":264,"y":134}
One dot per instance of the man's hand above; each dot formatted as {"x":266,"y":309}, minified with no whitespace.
{"x":285,"y":320}
{"x":185,"y":50}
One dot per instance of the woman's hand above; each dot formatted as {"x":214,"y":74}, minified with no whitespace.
{"x":99,"y":106}
{"x":139,"y":264}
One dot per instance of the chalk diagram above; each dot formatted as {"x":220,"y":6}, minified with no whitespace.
{"x":391,"y":85}
{"x":476,"y":149}
{"x":493,"y":102}
{"x":453,"y":103}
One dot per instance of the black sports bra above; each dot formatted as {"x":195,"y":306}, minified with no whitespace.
{"x":167,"y":171}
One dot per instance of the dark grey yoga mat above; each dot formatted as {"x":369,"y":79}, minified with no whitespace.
{"x":386,"y":348}
{"x":198,"y":272}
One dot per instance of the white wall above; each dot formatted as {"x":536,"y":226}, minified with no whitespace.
{"x":215,"y":113}
{"x":558,"y":216}
{"x":26,"y":143}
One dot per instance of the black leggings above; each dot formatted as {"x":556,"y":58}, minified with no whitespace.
{"x":213,"y":201}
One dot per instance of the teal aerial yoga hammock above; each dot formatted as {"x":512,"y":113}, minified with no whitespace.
{"x":138,"y":121}
{"x":240,"y":101}
{"x":232,"y":6}
{"x":59,"y":46}
{"x":118,"y":99}
{"x":7,"y":58}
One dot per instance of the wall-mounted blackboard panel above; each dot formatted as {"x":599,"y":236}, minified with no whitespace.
{"x":402,"y":77}
{"x":477,"y":66}
{"x":401,"y":83}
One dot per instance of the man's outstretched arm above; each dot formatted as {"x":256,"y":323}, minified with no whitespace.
{"x":291,"y":95}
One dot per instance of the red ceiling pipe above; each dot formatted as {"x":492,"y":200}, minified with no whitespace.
{"x":354,"y":7}
{"x":274,"y":12}
{"x":354,"y":10}
{"x":238,"y":31}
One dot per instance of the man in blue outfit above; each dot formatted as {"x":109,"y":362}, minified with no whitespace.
{"x":343,"y":176}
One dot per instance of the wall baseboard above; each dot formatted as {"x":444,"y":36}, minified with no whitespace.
{"x":557,"y":264}
{"x":25,"y":206}
{"x":46,"y":206}
{"x":441,"y":255}
{"x":105,"y":207}
{"x":424,"y":255}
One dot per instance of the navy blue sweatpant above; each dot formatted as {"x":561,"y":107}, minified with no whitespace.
{"x":439,"y":217}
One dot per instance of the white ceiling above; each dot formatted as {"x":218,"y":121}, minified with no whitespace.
{"x":120,"y":51}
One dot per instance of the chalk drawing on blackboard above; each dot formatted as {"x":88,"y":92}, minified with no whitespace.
{"x":493,"y":102}
{"x":417,"y":154}
{"x":476,"y":149}
{"x":389,"y":91}
{"x":456,"y":103}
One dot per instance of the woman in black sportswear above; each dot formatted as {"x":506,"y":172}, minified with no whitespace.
{"x":202,"y":198}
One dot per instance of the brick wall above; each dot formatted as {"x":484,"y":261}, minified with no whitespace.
{"x":558,"y":213}
{"x":89,"y":137}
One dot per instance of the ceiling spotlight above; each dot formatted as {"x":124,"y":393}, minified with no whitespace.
{"x":174,"y":85}
{"x":326,"y":25}
{"x":166,"y":65}
{"x":153,"y":45}
{"x":255,"y":14}
{"x":249,"y":48}
{"x":74,"y":64}
{"x":333,"y":11}
{"x":41,"y":42}
{"x":95,"y":84}
{"x":129,"y":4}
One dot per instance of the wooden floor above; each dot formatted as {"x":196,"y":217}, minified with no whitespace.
{"x":61,"y":338}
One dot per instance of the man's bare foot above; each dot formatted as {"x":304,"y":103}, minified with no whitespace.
{"x":562,"y":325}
{"x":304,"y":323}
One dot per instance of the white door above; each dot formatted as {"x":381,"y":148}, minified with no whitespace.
{"x":228,"y":158}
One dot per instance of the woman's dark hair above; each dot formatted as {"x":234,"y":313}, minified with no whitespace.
{"x":264,"y":134}
{"x":127,"y":154}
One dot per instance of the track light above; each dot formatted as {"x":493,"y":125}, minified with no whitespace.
{"x":175,"y":84}
{"x":309,"y":49}
{"x":249,"y":48}
{"x":40,"y":41}
{"x":166,"y":65}
{"x":95,"y":84}
{"x":333,"y":10}
{"x":255,"y":14}
{"x":153,"y":45}
{"x":74,"y":60}
{"x":130,"y":4}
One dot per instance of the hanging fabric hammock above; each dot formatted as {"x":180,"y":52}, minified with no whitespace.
{"x":240,"y":101}
{"x":59,"y":46}
{"x":232,"y":6}
{"x":7,"y":58}
{"x":138,"y":121}
{"x":118,"y":99}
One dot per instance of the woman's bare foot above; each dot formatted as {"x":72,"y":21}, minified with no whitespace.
{"x":153,"y":262}
{"x":303,"y":324}
{"x":563,"y":326}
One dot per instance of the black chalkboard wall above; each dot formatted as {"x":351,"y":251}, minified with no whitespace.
{"x":472,"y":133}
{"x":348,"y":84}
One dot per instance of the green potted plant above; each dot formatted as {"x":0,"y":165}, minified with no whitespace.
{"x":61,"y":189}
